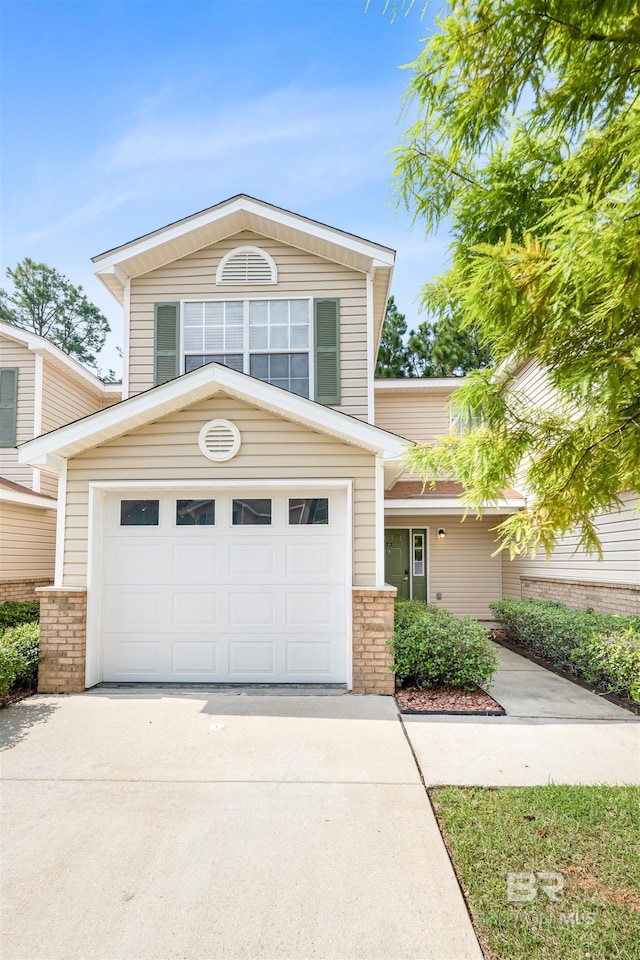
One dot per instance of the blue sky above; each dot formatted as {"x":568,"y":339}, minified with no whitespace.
{"x":120,"y":117}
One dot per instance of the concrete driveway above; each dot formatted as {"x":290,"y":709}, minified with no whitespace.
{"x":181,"y":824}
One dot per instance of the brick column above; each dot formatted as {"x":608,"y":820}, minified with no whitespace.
{"x":63,"y":637}
{"x":372,"y":629}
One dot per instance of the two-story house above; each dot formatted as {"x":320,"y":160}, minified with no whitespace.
{"x":41,"y":388}
{"x":243,"y":516}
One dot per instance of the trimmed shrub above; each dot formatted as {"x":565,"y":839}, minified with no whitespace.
{"x":605,"y":650}
{"x":19,"y":655}
{"x":432,"y":647}
{"x":611,"y":662}
{"x":12,"y":614}
{"x":547,"y":628}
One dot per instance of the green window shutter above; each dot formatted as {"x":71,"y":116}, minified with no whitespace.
{"x":326,"y":314}
{"x":167,"y":341}
{"x":8,"y":406}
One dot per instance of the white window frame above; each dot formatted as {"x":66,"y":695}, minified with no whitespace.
{"x":459,"y":423}
{"x":246,"y":351}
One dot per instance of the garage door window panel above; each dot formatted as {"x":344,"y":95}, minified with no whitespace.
{"x":309,"y":511}
{"x":139,"y":513}
{"x":251,"y":513}
{"x":190,"y":513}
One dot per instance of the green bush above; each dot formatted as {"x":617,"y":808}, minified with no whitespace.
{"x":12,"y":614}
{"x":19,"y":655}
{"x":432,"y":647}
{"x":611,"y":662}
{"x":605,"y":650}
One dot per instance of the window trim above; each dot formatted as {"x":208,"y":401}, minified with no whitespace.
{"x":460,"y":424}
{"x":246,"y":351}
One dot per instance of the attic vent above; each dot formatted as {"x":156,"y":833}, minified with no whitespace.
{"x":247,"y":265}
{"x":219,"y":440}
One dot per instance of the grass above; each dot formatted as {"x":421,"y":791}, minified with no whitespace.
{"x":590,"y":836}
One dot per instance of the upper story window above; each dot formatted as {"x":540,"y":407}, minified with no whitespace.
{"x":291,"y":343}
{"x":8,"y":406}
{"x":247,"y":265}
{"x":463,"y":420}
{"x":268,"y":339}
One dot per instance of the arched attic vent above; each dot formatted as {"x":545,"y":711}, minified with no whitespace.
{"x":247,"y":265}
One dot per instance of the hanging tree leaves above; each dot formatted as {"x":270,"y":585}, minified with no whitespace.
{"x":528,"y":140}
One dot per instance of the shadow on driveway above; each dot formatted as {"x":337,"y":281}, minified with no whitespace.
{"x":17,"y":720}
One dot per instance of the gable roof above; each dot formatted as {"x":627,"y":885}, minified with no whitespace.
{"x":176,"y":240}
{"x":51,"y":449}
{"x":74,"y":370}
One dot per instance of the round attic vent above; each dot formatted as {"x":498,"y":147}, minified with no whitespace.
{"x":219,"y":440}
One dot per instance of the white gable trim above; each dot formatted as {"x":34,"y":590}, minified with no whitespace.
{"x":106,"y":261}
{"x":200,"y":384}
{"x":27,"y":498}
{"x":41,"y":346}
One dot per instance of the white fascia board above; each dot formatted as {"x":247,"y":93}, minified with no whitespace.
{"x":418,"y":384}
{"x":28,"y":499}
{"x":104,"y":262}
{"x":189,"y":388}
{"x":450,"y":505}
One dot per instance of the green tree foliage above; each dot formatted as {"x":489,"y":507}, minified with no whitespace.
{"x":445,"y":349}
{"x":392,"y":353}
{"x":528,"y":141}
{"x":43,"y":301}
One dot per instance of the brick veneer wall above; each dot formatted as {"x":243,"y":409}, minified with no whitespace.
{"x":372,"y":628}
{"x":63,"y":631}
{"x":620,"y":598}
{"x":21,"y":591}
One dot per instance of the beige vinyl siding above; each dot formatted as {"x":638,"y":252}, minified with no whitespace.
{"x":421,"y":418}
{"x":272,"y":448}
{"x":14,"y":354}
{"x":619,"y":531}
{"x":533,"y":382}
{"x":300,"y":274}
{"x":108,"y":400}
{"x":48,"y":484}
{"x":65,"y":399}
{"x":460,"y":566}
{"x":27,"y":541}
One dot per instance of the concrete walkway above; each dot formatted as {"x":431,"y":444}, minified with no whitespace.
{"x":181,"y":824}
{"x":553,"y":731}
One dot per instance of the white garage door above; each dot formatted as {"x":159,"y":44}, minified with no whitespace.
{"x":233,"y":586}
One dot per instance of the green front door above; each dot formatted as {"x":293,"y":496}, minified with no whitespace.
{"x":396,"y":555}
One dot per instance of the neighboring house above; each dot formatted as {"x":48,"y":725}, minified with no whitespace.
{"x":41,"y":388}
{"x":610,"y":584}
{"x":230,"y":520}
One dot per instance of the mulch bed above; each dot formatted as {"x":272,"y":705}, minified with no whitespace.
{"x":506,"y":640}
{"x":15,"y":696}
{"x":448,"y":700}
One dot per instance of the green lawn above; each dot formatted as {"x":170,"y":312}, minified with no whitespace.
{"x":587,"y":838}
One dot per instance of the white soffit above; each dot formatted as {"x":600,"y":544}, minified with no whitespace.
{"x":202,"y":229}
